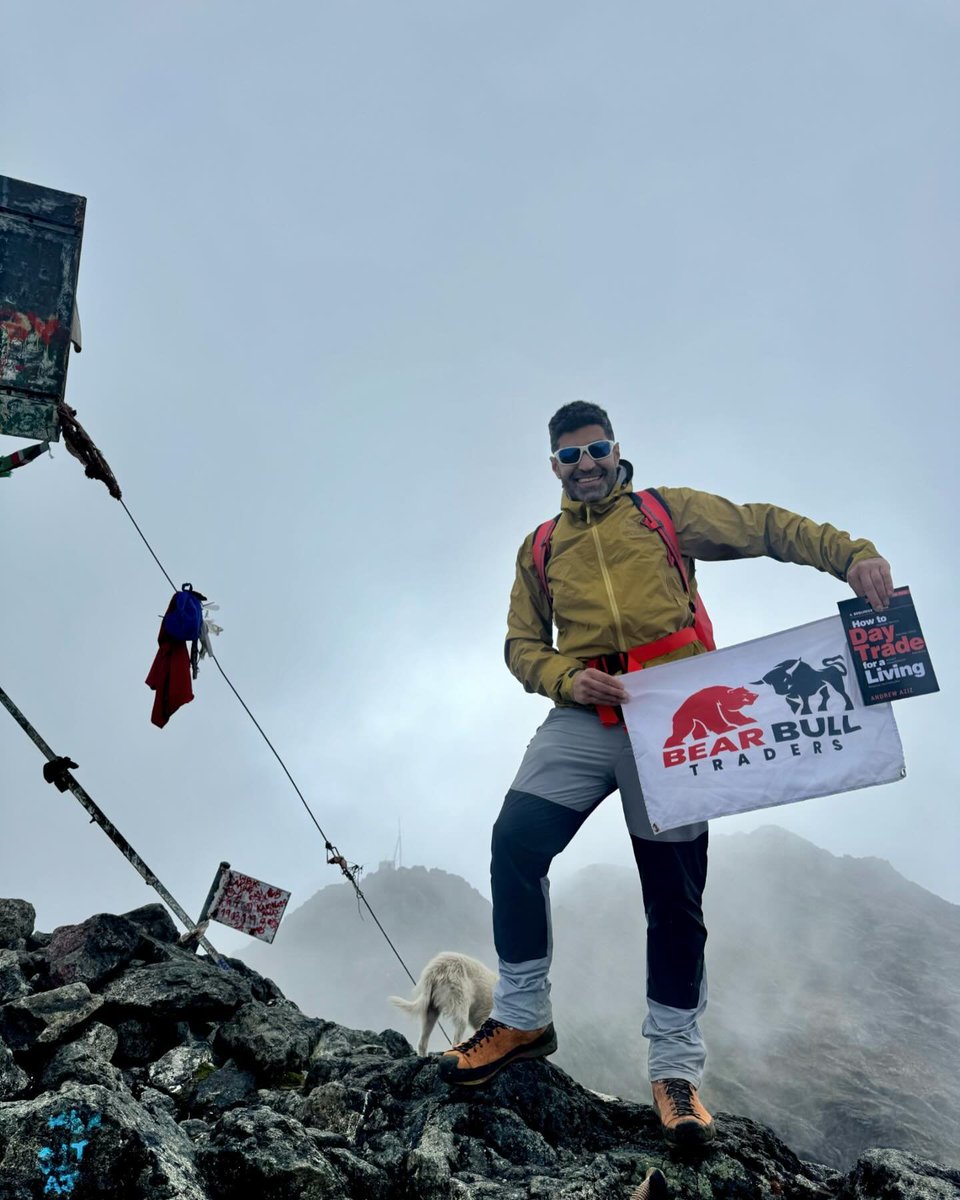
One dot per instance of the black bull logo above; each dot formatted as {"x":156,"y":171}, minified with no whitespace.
{"x":798,"y":682}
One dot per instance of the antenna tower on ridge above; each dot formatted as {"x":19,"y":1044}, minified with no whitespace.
{"x":398,"y":849}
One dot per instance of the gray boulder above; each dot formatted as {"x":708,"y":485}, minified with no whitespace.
{"x":288,"y":1101}
{"x":181,"y":986}
{"x":161,"y":1104}
{"x":87,"y":1141}
{"x":257,"y":1152}
{"x":337,"y":1107}
{"x":141,"y":1039}
{"x":35,"y":969}
{"x":196,"y":1130}
{"x":274,"y":1041}
{"x":85,"y":1060}
{"x":16,"y":923}
{"x":892,"y":1174}
{"x":46,"y":1017}
{"x":93,"y":951}
{"x":261,"y":988}
{"x":179,"y":1070}
{"x":339,"y":1046}
{"x":99,"y":1040}
{"x":223,"y":1089}
{"x":13,"y":983}
{"x":155,"y":921}
{"x":13,"y":1080}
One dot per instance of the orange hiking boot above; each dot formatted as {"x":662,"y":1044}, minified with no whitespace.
{"x":492,"y":1047}
{"x":683,"y":1119}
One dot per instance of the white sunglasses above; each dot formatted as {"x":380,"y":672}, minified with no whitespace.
{"x":569,"y":456}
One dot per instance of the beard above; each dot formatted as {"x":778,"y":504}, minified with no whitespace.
{"x":598,"y":483}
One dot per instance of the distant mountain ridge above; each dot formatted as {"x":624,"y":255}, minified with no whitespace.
{"x":334,"y":959}
{"x":835,"y":985}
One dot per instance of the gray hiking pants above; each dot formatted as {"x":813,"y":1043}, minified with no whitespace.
{"x":571,"y":765}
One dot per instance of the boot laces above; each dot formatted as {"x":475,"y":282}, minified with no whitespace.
{"x":680,"y":1094}
{"x":486,"y":1030}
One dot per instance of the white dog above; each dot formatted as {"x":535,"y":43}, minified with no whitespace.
{"x":450,"y":985}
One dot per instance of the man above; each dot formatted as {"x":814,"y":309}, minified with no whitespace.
{"x":612,"y":587}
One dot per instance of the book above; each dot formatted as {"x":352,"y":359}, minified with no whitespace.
{"x":888,"y":649}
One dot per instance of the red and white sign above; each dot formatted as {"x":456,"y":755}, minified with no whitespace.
{"x":764,"y":723}
{"x":249,"y":905}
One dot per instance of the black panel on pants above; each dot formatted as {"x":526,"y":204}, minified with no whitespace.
{"x":673,"y":876}
{"x":526,"y":836}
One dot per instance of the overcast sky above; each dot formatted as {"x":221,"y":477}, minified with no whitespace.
{"x":341,"y":263}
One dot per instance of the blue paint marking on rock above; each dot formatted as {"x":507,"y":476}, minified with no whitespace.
{"x":61,"y":1166}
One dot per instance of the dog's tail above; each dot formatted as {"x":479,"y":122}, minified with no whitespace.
{"x":414,"y":1007}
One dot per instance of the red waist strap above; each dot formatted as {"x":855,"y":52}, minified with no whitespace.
{"x":636,"y":657}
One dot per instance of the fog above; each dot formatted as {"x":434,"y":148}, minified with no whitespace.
{"x":833,"y":1015}
{"x":339,"y":268}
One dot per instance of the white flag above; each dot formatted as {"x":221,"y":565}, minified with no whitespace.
{"x":764,"y":723}
{"x":249,"y":905}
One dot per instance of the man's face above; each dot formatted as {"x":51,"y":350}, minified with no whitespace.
{"x":590,"y":479}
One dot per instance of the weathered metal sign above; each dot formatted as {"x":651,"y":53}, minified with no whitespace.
{"x":40,"y":236}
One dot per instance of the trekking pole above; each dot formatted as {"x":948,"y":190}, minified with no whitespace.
{"x":62,"y":775}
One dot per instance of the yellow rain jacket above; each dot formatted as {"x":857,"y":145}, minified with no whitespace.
{"x":614,"y":588}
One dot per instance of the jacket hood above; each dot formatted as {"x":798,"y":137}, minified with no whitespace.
{"x":583,"y":510}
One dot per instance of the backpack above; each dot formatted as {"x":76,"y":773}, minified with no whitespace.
{"x":655,"y":515}
{"x":184,"y":618}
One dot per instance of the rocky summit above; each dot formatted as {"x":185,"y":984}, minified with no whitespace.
{"x":131,"y":1068}
{"x":834,"y":1014}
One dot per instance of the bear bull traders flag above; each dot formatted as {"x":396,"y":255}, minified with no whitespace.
{"x":767,"y":722}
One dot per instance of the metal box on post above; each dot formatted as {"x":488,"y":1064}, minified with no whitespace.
{"x":40,"y":235}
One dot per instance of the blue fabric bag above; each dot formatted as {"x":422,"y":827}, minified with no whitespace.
{"x":184,"y":618}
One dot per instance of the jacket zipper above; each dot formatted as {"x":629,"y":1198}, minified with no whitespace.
{"x":609,"y":586}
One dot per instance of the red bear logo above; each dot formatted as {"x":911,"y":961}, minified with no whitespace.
{"x":711,"y":710}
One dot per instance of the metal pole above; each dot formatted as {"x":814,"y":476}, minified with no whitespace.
{"x":107,"y":826}
{"x":203,"y":920}
{"x":214,"y":888}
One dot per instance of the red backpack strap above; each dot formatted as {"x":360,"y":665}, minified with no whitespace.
{"x":656,"y":516}
{"x":541,"y":553}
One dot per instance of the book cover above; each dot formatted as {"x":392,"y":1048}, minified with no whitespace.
{"x":888,"y":649}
